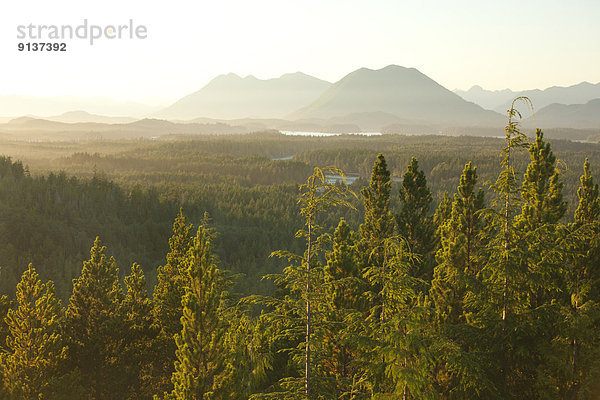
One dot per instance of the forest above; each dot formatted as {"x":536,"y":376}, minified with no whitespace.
{"x":239,"y":267}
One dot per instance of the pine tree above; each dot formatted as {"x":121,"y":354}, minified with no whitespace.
{"x":378,"y":226}
{"x":542,"y":188}
{"x":345,"y":288}
{"x":342,"y":271}
{"x":170,"y":289}
{"x":5,"y":305}
{"x":582,"y":309}
{"x":456,"y":283}
{"x":36,"y":359}
{"x":171,"y":278}
{"x":300,"y":310}
{"x":140,"y":330}
{"x":588,"y":209}
{"x":200,"y":344}
{"x":95,"y":327}
{"x":414,"y":222}
{"x":459,"y":256}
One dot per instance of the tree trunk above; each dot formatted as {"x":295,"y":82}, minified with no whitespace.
{"x":308,"y":312}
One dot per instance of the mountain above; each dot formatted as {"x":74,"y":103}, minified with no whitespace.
{"x":576,"y":116}
{"x":13,"y":105}
{"x":82,"y":116}
{"x":488,"y":99}
{"x":500,"y":100}
{"x":231,"y":96}
{"x":29,"y":128}
{"x":404,"y":93}
{"x":576,"y":94}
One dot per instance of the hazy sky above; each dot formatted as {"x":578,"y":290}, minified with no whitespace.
{"x":459,"y":43}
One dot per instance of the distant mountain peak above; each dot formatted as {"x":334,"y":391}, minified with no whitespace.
{"x":403,"y":92}
{"x":232,"y":97}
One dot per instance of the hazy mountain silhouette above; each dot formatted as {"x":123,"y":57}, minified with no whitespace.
{"x":578,"y":116}
{"x":15,"y":105}
{"x":488,"y":99}
{"x":231,"y":96}
{"x":576,"y":94}
{"x":82,"y":116}
{"x":402,"y":92}
{"x":37,"y":128}
{"x":500,"y":100}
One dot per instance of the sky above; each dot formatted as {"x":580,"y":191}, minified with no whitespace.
{"x":495,"y":44}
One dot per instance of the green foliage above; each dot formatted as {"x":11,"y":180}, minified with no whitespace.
{"x":459,"y":258}
{"x":542,"y":188}
{"x":95,"y":329}
{"x":138,"y":352}
{"x":173,"y":279}
{"x":200,"y":344}
{"x":512,"y":311}
{"x":415,"y":224}
{"x":34,"y":365}
{"x":378,"y":226}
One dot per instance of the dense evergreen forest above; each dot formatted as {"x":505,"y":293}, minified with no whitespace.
{"x":453,"y":268}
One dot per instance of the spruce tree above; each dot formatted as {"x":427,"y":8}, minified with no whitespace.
{"x":299,"y":312}
{"x":542,"y":188}
{"x":414,"y":223}
{"x":345,"y":288}
{"x":581,"y":311}
{"x":342,"y":272}
{"x":460,"y":254}
{"x":200,"y":344}
{"x":455,"y":284}
{"x":35,"y":361}
{"x":588,"y":209}
{"x":95,"y":328}
{"x":5,"y":305}
{"x":140,"y":330}
{"x":170,"y":289}
{"x":172,"y":278}
{"x":378,"y":226}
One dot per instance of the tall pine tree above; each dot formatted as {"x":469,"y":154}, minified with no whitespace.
{"x":170,"y":289}
{"x":378,"y":226}
{"x":580,"y":341}
{"x":140,"y":331}
{"x":35,"y":364}
{"x":415,"y":224}
{"x":95,"y":327}
{"x":455,"y":285}
{"x":200,"y":344}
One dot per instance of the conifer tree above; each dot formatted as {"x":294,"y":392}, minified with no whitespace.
{"x":140,"y":330}
{"x":508,"y":321}
{"x":171,"y":278}
{"x":345,"y":288}
{"x":5,"y":305}
{"x":588,"y":209}
{"x":542,"y":188}
{"x":415,"y":224}
{"x":95,"y":328}
{"x":456,"y":283}
{"x":543,"y":207}
{"x":168,"y":293}
{"x":200,"y":344}
{"x":36,"y":359}
{"x":442,"y":214}
{"x":342,"y":272}
{"x":378,"y":226}
{"x":582,"y":309}
{"x":459,"y":255}
{"x":300,"y":311}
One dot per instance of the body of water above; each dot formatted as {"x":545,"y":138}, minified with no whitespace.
{"x":303,"y":133}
